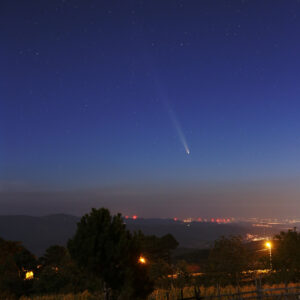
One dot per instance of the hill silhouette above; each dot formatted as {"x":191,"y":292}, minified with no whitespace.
{"x":38,"y":233}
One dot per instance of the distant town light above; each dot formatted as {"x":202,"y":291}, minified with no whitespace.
{"x":134,"y":217}
{"x":188,"y":220}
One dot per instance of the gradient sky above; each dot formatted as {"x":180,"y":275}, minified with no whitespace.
{"x":86,"y":92}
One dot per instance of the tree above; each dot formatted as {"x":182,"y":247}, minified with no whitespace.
{"x":15,"y":261}
{"x":105,"y":248}
{"x":227,"y":259}
{"x":53,"y":275}
{"x":157,"y":247}
{"x":286,"y":256}
{"x":54,"y":256}
{"x":158,"y":250}
{"x":58,"y":273}
{"x":183,"y":275}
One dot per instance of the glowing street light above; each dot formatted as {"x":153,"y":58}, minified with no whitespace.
{"x":29,"y":275}
{"x":142,"y":260}
{"x":269,"y":246}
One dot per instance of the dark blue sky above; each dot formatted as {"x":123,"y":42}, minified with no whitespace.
{"x":86,"y":88}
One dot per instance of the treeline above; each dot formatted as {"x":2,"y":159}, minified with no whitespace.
{"x":231,"y":261}
{"x":105,"y":258}
{"x":102,"y":257}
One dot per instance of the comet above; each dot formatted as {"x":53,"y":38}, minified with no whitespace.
{"x":179,"y":130}
{"x":164,"y":98}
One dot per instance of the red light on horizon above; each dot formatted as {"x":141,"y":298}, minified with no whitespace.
{"x":175,"y":219}
{"x":199,"y":220}
{"x":134,"y":217}
{"x":212,"y":220}
{"x":126,"y":217}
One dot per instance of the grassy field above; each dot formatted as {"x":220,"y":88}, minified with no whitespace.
{"x":83,"y":296}
{"x":174,"y":294}
{"x":159,"y":294}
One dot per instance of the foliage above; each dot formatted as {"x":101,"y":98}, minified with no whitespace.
{"x":227,"y":259}
{"x":103,"y":256}
{"x":286,"y":256}
{"x":105,"y":248}
{"x":55,"y":256}
{"x":157,"y":247}
{"x":182,"y":274}
{"x":15,"y":260}
{"x":53,"y":275}
{"x":157,"y":251}
{"x":57,"y":273}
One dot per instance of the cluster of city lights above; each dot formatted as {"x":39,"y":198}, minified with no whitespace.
{"x":189,"y":220}
{"x":205,"y":220}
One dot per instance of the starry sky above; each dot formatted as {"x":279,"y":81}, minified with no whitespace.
{"x":97,"y":99}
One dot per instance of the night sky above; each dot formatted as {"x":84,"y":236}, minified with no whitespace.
{"x":97,"y":99}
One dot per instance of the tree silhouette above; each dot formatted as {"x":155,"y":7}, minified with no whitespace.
{"x":15,"y":261}
{"x":227,"y":259}
{"x":286,"y":256}
{"x":104,"y":247}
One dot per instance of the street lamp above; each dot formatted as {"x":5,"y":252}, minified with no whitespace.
{"x":29,"y":275}
{"x":142,"y":260}
{"x":269,"y":246}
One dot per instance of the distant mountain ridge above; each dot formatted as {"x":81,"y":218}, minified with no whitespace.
{"x":38,"y":233}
